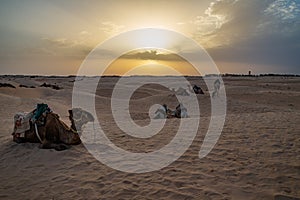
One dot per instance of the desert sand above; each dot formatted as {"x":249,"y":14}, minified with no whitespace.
{"x":256,"y":157}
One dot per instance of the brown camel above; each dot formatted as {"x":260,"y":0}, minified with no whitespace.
{"x":55,"y":133}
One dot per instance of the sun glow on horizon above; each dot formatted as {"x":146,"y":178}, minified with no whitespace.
{"x":150,"y":62}
{"x":152,"y":38}
{"x":238,"y":35}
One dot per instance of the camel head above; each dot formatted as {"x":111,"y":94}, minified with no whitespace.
{"x":79,"y":117}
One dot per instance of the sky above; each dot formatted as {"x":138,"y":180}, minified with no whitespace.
{"x":54,"y":37}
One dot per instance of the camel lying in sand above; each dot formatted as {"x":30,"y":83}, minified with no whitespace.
{"x":181,"y":111}
{"x":181,"y":91}
{"x":164,"y":112}
{"x":55,"y":133}
{"x":195,"y":89}
{"x":161,"y":112}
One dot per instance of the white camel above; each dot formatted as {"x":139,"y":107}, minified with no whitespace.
{"x":161,"y":112}
{"x":217,"y":85}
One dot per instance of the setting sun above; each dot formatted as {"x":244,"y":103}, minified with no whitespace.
{"x":153,"y":38}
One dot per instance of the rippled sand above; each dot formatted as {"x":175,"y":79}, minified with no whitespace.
{"x":256,"y":157}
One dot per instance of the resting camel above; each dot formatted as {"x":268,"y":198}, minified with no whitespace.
{"x":181,"y":91}
{"x":217,"y":85}
{"x":181,"y":111}
{"x":196,"y":89}
{"x":164,"y":112}
{"x":161,"y":112}
{"x":55,"y":134}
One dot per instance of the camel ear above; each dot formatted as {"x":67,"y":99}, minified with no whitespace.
{"x":70,"y":112}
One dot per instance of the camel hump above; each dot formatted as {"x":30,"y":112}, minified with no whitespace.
{"x":52,"y":115}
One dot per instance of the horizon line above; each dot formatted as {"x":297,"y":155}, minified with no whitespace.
{"x":110,"y":75}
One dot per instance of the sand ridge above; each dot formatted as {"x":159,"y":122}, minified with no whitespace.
{"x":256,"y":157}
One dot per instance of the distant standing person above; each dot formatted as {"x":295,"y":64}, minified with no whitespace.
{"x":217,"y":84}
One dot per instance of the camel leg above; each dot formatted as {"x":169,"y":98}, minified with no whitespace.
{"x":19,"y":140}
{"x":49,"y":145}
{"x":214,"y":93}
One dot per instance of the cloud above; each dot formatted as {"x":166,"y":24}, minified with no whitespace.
{"x":281,"y":17}
{"x":61,"y":42}
{"x":152,"y":55}
{"x":180,"y":23}
{"x":209,"y":22}
{"x":283,"y":9}
{"x":66,"y":47}
{"x":78,"y":46}
{"x":227,"y":21}
{"x":84,"y":33}
{"x":256,"y":31}
{"x":110,"y":28}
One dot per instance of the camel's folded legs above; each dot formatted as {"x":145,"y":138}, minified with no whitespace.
{"x":20,"y":140}
{"x":58,"y":147}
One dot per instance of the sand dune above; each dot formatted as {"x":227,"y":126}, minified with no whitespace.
{"x":256,"y":157}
